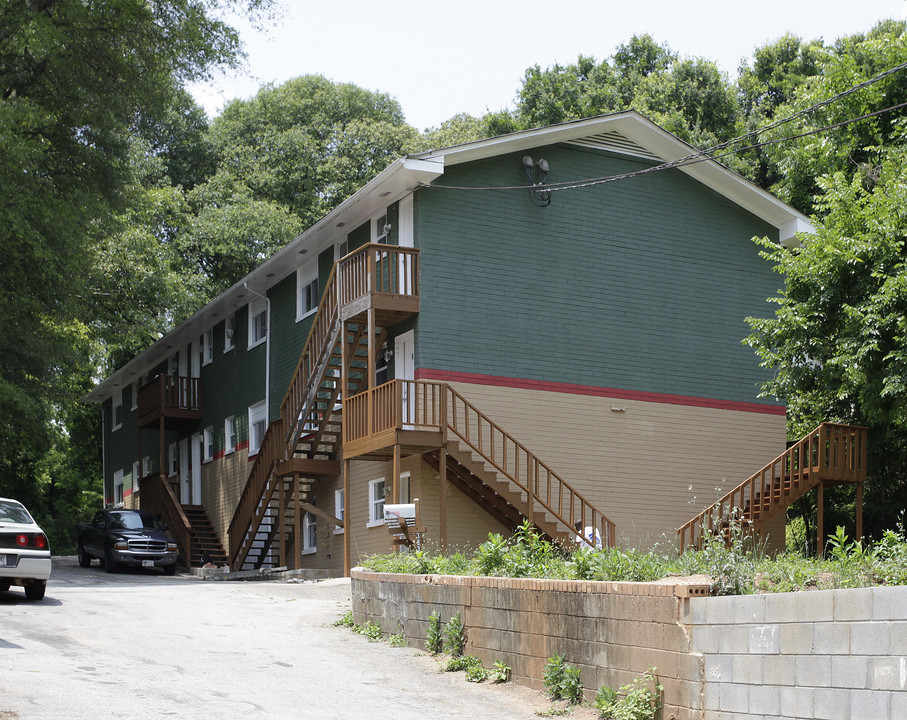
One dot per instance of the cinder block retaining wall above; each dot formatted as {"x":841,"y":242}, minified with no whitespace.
{"x":821,"y":655}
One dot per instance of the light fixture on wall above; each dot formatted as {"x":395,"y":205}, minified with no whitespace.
{"x":538,"y":195}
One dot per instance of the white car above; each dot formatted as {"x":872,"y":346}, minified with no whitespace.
{"x":24,"y":551}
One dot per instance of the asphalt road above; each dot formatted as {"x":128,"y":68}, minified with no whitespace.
{"x":141,"y":645}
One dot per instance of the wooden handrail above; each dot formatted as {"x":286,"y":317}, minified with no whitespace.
{"x":422,"y":405}
{"x":832,"y":452}
{"x":172,"y":514}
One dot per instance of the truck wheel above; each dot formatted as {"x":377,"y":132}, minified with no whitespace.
{"x":110,"y":565}
{"x":84,"y":557}
{"x":35,"y":591}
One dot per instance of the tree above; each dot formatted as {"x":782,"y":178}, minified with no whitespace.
{"x":838,"y":341}
{"x":77,"y":80}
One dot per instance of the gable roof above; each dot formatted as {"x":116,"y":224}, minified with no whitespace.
{"x":626,"y":133}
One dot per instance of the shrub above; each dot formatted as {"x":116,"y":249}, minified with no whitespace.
{"x":635,"y":701}
{"x":454,"y":636}
{"x":433,"y":641}
{"x":346,"y":620}
{"x":462,"y":662}
{"x":372,"y":631}
{"x":562,"y":680}
{"x":499,"y":672}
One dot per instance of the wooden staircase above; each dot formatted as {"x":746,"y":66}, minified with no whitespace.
{"x":302,"y":443}
{"x":203,"y":538}
{"x":832,"y":454}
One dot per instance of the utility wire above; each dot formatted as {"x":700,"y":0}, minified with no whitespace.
{"x":707,"y":154}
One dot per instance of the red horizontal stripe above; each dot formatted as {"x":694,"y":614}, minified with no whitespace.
{"x":595,"y":391}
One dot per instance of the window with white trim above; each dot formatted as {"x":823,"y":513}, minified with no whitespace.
{"x":208,"y":444}
{"x":173,"y":466}
{"x":376,"y":490}
{"x":208,"y":346}
{"x":118,"y":487}
{"x":309,"y":530}
{"x":229,"y":333}
{"x":306,"y":291}
{"x":229,"y":435}
{"x":118,"y":411}
{"x":174,"y":368}
{"x":339,"y":508}
{"x":135,"y":395}
{"x":380,"y":229}
{"x":135,"y":476}
{"x":258,"y":423}
{"x":258,"y":322}
{"x":146,"y":466}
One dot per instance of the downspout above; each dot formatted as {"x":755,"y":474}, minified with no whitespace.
{"x":104,"y":458}
{"x":267,"y":354}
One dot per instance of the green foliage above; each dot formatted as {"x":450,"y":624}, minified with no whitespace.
{"x":499,"y":672}
{"x":638,"y":700}
{"x":434,"y":642}
{"x":470,"y":663}
{"x":346,"y":620}
{"x":562,"y":680}
{"x":454,"y":636}
{"x":372,"y":631}
{"x":397,"y":640}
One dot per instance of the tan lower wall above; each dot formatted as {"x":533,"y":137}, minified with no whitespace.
{"x":612,"y":631}
{"x":223,"y":481}
{"x":648,"y":466}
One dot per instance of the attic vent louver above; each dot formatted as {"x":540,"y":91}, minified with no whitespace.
{"x":615,"y":142}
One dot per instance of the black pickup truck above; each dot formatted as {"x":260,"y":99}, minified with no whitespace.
{"x":126,"y":537}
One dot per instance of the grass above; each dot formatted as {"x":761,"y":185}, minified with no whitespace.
{"x":736,"y":568}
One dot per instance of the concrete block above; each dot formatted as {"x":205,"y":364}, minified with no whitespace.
{"x":897,"y":634}
{"x":719,"y":668}
{"x":733,"y":640}
{"x":815,"y":605}
{"x":721,"y":610}
{"x":764,"y":640}
{"x":850,"y":672}
{"x":870,"y":638}
{"x":749,"y":609}
{"x":797,"y":701}
{"x":747,"y":669}
{"x":870,"y":704}
{"x":898,"y":705}
{"x":734,"y":698}
{"x":889,"y":603}
{"x":853,"y":604}
{"x":698,"y":608}
{"x":832,"y":704}
{"x":887,"y":673}
{"x":676,"y":638}
{"x":711,"y":696}
{"x":781,"y":607}
{"x":705,"y":639}
{"x":779,"y":670}
{"x":796,"y":638}
{"x":765,"y":699}
{"x":831,"y":638}
{"x":814,"y":671}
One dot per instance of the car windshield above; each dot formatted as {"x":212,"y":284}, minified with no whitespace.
{"x":133,"y":521}
{"x":13,"y":512}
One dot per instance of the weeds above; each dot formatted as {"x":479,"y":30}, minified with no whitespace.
{"x":638,"y":700}
{"x":562,"y":680}
{"x":373,"y":632}
{"x":346,"y":620}
{"x":433,"y":640}
{"x":499,"y":672}
{"x":454,"y":636}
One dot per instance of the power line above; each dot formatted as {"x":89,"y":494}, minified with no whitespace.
{"x":707,"y":153}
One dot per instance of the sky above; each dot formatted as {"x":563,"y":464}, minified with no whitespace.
{"x":439,"y":58}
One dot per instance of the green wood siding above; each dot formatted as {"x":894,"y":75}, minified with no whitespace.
{"x":287,"y":339}
{"x":641,"y":284}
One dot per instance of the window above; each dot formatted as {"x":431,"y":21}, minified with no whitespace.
{"x":118,"y":487}
{"x":381,"y":366}
{"x":135,"y":477}
{"x":258,"y":423}
{"x":229,"y":333}
{"x":338,"y":509}
{"x":376,"y":503}
{"x":306,"y":292}
{"x":404,"y":487}
{"x":174,"y":365}
{"x":208,"y":444}
{"x":146,"y":466}
{"x":174,"y":460}
{"x":309,"y":528}
{"x":229,"y":435}
{"x":258,"y":322}
{"x":118,"y":412}
{"x":135,"y":396}
{"x":380,"y":230}
{"x":208,"y":347}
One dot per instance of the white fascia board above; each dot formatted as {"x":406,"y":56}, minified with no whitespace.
{"x":397,"y":180}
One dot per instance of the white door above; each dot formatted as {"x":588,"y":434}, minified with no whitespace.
{"x":185,"y":476}
{"x":405,"y":369}
{"x":195,"y":471}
